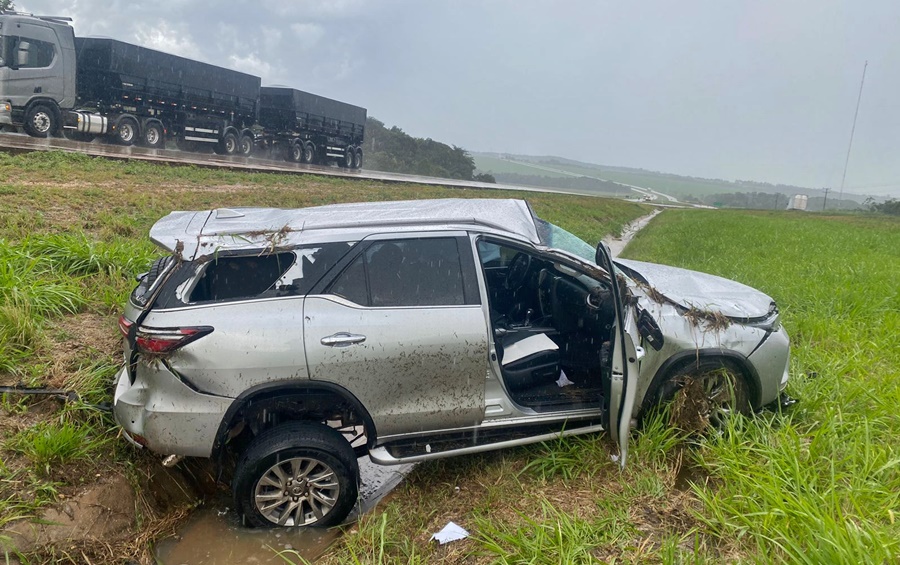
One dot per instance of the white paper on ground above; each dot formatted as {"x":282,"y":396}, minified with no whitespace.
{"x":451,"y":532}
{"x":563,"y":380}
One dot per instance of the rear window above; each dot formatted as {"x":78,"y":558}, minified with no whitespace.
{"x":227,"y":278}
{"x":289,"y":273}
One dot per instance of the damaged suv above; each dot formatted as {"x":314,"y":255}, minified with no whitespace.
{"x":295,"y":341}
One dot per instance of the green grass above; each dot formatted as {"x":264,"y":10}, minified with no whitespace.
{"x":53,"y":443}
{"x":821,"y":485}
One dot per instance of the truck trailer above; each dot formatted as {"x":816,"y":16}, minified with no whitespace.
{"x":52,"y":83}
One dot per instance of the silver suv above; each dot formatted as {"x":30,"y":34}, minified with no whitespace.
{"x":296,"y":341}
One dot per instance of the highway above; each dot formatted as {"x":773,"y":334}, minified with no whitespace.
{"x":20,"y":143}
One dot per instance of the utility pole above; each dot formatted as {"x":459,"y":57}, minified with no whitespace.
{"x":826,"y":199}
{"x":776,"y":202}
{"x":853,"y":129}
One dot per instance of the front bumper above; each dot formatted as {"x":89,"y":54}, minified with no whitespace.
{"x":772,"y":363}
{"x":168,"y":416}
{"x":5,"y":114}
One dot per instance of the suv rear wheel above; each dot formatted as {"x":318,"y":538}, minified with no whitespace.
{"x":297,"y":474}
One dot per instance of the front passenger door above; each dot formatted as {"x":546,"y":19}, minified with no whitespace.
{"x":401,"y":327}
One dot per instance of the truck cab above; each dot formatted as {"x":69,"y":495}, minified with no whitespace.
{"x":37,"y":72}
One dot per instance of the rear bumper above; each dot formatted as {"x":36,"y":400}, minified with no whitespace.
{"x":169,"y":417}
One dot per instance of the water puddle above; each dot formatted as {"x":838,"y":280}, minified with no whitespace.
{"x":214,"y":534}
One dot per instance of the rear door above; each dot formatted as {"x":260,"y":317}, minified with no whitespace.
{"x":625,"y":361}
{"x":401,"y":327}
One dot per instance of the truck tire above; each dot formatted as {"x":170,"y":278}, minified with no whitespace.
{"x":153,"y":136}
{"x":295,"y":152}
{"x":358,"y":158}
{"x":245,"y":146}
{"x":348,"y":160}
{"x":228,"y":145}
{"x":126,"y":132}
{"x":40,"y":121}
{"x":309,"y":153}
{"x":296,"y":474}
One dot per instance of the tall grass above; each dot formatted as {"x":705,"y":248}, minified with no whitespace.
{"x":821,"y":484}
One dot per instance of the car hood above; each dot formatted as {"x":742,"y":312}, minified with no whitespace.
{"x":700,"y":290}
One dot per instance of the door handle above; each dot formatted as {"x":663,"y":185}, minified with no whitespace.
{"x":342,"y":339}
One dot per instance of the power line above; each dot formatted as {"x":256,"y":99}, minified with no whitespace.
{"x":852,"y":130}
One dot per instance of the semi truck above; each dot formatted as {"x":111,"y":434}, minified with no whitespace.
{"x":54,"y":83}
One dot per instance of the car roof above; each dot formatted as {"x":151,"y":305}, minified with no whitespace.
{"x":248,"y":228}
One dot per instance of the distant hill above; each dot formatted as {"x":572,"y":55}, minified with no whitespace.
{"x":559,"y":172}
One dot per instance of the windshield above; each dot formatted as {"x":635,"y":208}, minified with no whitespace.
{"x":558,"y":238}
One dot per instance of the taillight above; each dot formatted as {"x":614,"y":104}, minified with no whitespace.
{"x":124,"y":325}
{"x":167,"y":340}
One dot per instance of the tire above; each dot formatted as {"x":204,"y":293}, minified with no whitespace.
{"x":153,"y":136}
{"x":296,"y":448}
{"x":126,"y":132}
{"x":295,"y":152}
{"x":715,"y":390}
{"x":349,"y":152}
{"x":228,"y":145}
{"x":309,"y":154}
{"x":40,"y":121}
{"x":245,"y":146}
{"x":358,"y":158}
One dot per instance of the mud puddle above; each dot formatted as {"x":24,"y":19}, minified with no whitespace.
{"x":214,"y":534}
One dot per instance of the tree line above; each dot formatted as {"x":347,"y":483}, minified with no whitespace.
{"x":394,"y":150}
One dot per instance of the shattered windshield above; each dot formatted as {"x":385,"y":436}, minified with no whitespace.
{"x":558,"y":238}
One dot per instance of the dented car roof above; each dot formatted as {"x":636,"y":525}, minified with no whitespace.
{"x":236,"y":228}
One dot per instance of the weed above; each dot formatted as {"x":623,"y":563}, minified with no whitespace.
{"x":52,"y":443}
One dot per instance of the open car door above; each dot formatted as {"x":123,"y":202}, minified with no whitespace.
{"x":625,"y":355}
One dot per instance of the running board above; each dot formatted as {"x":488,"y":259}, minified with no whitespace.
{"x":422,"y":452}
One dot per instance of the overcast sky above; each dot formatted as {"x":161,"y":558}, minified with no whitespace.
{"x":761,"y":89}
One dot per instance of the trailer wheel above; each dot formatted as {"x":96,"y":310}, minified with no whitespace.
{"x":153,"y":136}
{"x":348,"y":157}
{"x":358,"y":158}
{"x":245,"y":146}
{"x":40,"y":121}
{"x":309,"y":153}
{"x":228,"y":145}
{"x":295,"y":152}
{"x":126,"y":131}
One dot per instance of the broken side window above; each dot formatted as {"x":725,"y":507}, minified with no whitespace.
{"x":312,"y":263}
{"x":232,"y":277}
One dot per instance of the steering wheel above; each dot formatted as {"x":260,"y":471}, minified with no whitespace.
{"x":517,"y":271}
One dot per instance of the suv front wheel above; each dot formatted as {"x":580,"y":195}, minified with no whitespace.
{"x":297,"y":474}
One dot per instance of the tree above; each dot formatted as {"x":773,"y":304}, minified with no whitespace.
{"x":6,"y":5}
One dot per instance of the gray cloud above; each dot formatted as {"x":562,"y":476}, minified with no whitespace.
{"x":755,"y":90}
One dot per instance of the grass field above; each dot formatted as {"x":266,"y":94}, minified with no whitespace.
{"x":820,"y":484}
{"x":73,"y":233}
{"x":668,"y":184}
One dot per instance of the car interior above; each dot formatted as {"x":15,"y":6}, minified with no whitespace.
{"x":551,"y":327}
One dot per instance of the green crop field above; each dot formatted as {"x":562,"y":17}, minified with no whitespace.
{"x":668,"y":184}
{"x":495,"y":165}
